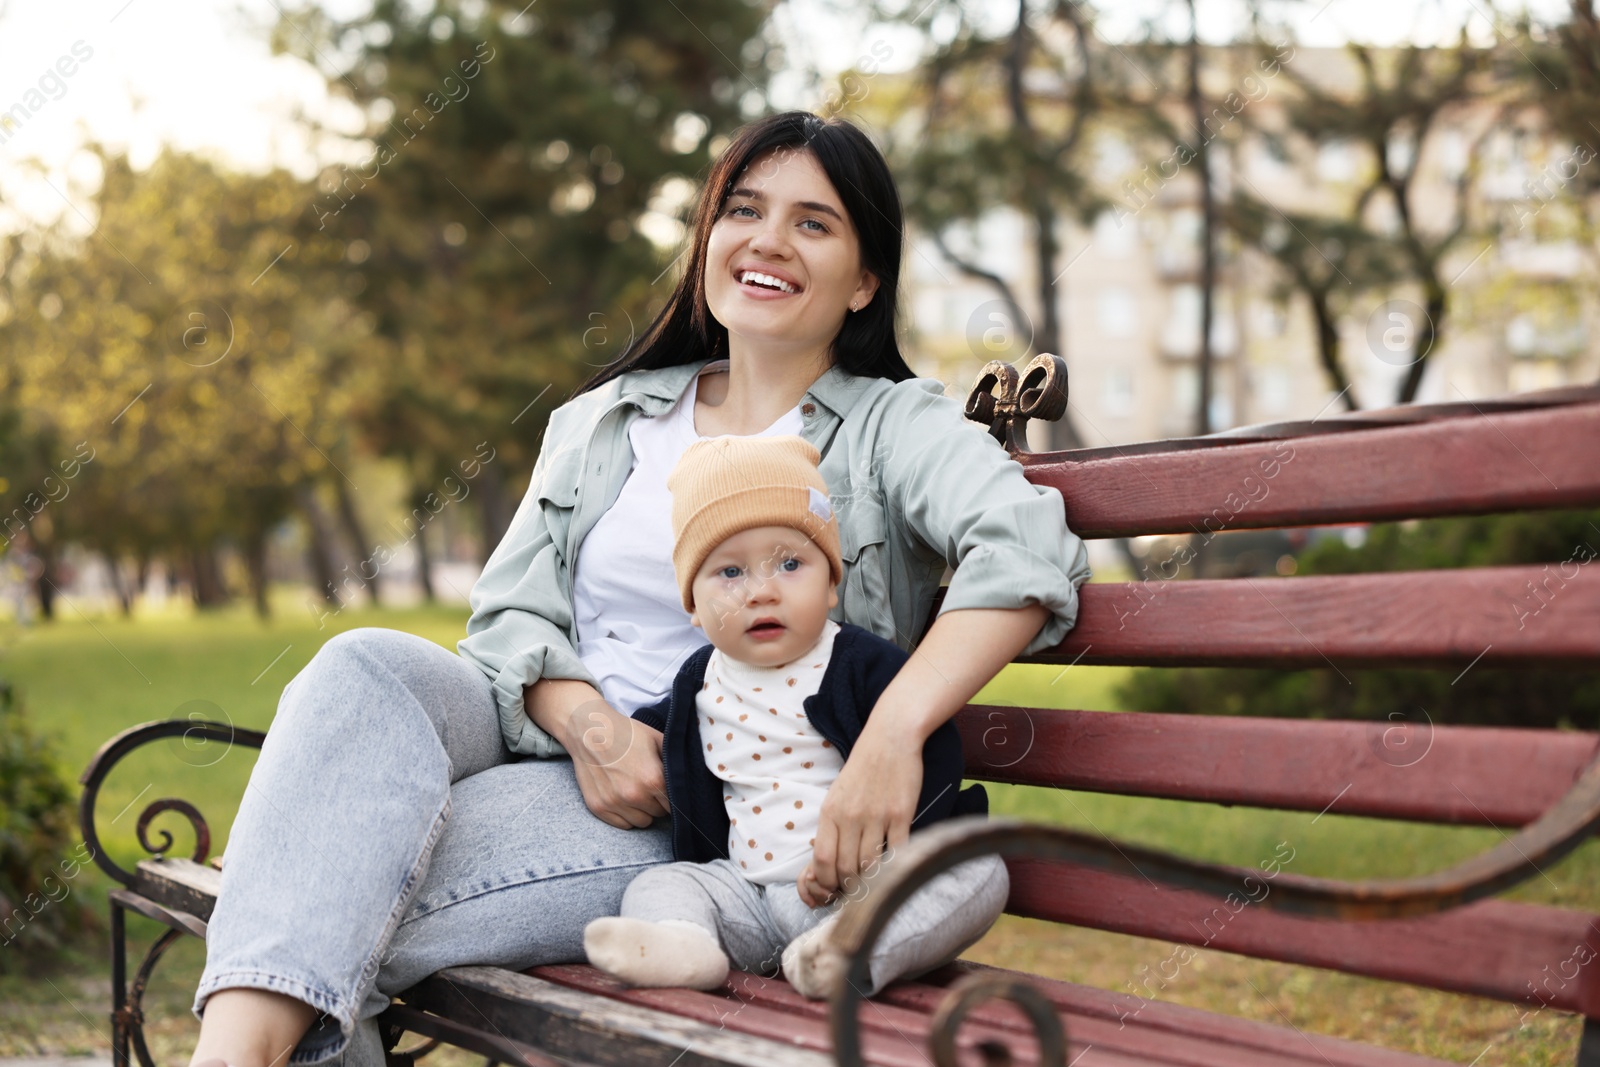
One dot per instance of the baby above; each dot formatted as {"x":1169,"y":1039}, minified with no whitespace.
{"x":756,"y":727}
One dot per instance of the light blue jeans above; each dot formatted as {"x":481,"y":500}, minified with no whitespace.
{"x":387,"y":832}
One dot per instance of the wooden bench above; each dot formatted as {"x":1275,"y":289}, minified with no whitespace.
{"x":1444,"y":931}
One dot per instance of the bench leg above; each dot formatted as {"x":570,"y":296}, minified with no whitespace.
{"x":1589,"y":1044}
{"x":119,"y":987}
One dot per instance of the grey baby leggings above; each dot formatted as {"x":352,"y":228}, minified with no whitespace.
{"x":754,"y":923}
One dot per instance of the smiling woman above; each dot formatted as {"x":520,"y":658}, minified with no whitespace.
{"x":402,"y":760}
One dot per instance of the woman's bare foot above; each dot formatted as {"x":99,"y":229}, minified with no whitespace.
{"x":250,"y":1028}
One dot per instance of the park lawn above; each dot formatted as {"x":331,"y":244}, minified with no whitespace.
{"x":83,"y":680}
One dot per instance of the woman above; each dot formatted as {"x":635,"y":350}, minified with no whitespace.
{"x":390,"y":829}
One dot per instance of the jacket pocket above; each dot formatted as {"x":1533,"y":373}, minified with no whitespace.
{"x":864,"y":549}
{"x":557,"y":494}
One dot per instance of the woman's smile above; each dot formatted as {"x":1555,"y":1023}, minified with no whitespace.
{"x":765,"y":282}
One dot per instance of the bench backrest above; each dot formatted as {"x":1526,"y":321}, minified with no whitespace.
{"x":1535,"y":451}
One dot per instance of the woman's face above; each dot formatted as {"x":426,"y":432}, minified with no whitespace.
{"x":783,"y":263}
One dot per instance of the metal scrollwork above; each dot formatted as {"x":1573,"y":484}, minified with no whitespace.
{"x":202,"y":832}
{"x":1039,"y":392}
{"x":973,"y":990}
{"x":127,"y":1013}
{"x":133,"y":1012}
{"x":112,"y":753}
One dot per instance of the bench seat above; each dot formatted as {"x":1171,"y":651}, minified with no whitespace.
{"x":539,"y":1014}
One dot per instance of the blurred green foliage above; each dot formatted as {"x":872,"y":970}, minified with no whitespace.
{"x":38,"y":863}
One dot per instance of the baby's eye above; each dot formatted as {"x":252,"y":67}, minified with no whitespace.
{"x":785,"y":564}
{"x":730,"y":571}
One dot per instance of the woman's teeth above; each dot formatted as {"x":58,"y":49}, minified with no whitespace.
{"x":766,"y":281}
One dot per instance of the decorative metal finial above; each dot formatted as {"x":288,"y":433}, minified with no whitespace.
{"x":1040,"y":392}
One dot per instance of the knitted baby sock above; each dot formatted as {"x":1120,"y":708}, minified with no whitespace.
{"x":814,"y":967}
{"x":672,"y":952}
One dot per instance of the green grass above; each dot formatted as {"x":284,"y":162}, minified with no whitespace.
{"x":84,"y":680}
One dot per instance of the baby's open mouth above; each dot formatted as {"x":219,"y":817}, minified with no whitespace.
{"x":765,"y":626}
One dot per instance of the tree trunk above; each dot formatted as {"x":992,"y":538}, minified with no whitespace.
{"x":118,"y":585}
{"x":358,"y":534}
{"x":1427,"y":340}
{"x":1208,"y":217}
{"x":1328,"y":348}
{"x":319,"y":544}
{"x":44,"y":586}
{"x":255,"y":559}
{"x":424,"y":563}
{"x":1061,"y":434}
{"x":208,"y":588}
{"x":495,"y":504}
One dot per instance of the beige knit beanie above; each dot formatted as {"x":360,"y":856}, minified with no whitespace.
{"x":725,"y":485}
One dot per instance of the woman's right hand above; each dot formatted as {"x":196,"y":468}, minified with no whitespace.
{"x":618,"y":763}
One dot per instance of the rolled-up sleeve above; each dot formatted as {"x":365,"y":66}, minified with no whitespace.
{"x":517,"y":633}
{"x":964,"y":497}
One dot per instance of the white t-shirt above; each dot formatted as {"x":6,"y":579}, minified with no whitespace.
{"x":623,"y":573}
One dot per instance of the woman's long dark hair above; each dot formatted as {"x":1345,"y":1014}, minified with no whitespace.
{"x":685,"y":332}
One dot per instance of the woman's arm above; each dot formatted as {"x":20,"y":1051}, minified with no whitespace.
{"x":948,"y":486}
{"x":617,"y":759}
{"x":873,"y":798}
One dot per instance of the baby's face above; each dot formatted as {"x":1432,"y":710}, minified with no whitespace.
{"x":763,"y":595}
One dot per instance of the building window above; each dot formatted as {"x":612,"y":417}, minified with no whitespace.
{"x":1115,"y":238}
{"x":1117,"y":312}
{"x":1181,"y":336}
{"x":1184,"y":394}
{"x":1273,"y":385}
{"x":1116,"y":399}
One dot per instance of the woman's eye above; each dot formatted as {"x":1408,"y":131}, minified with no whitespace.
{"x":820,"y":228}
{"x":741,"y":207}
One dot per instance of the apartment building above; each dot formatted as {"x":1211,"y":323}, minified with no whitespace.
{"x":1521,"y":279}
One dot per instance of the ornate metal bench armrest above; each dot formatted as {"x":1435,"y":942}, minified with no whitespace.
{"x":1562,"y":828}
{"x":112,"y":752}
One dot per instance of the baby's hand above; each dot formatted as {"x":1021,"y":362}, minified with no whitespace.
{"x":812,"y":892}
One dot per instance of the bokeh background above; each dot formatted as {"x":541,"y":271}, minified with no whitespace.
{"x":289,"y":290}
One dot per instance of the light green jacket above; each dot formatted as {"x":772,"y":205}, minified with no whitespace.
{"x":916,"y":487}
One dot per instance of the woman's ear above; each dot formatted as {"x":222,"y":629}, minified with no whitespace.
{"x":863,"y":294}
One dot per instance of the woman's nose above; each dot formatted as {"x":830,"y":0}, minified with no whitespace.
{"x":771,"y":239}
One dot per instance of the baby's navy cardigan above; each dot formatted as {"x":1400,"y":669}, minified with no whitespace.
{"x":860,"y":668}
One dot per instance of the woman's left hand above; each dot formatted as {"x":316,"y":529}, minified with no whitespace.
{"x":872,"y":802}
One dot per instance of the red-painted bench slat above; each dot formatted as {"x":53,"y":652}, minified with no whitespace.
{"x":1501,"y":461}
{"x":1491,"y":948}
{"x":1471,"y":775}
{"x":1089,"y":1001}
{"x":1447,"y":618}
{"x":895,"y":1026}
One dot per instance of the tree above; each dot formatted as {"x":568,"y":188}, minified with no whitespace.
{"x":1402,"y":94}
{"x":179,"y":390}
{"x":1004,"y":121}
{"x":1329,"y":262}
{"x":492,"y":216}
